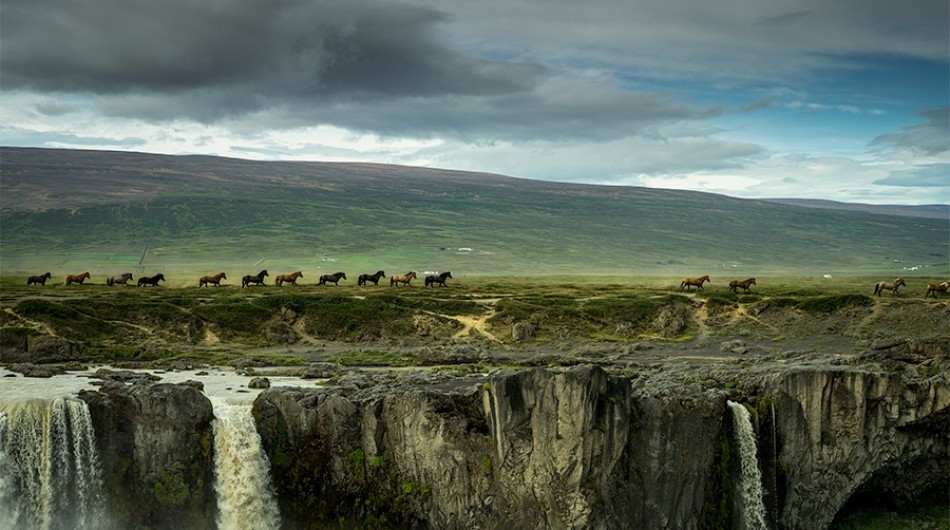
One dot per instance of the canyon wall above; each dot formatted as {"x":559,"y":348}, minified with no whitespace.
{"x":580,"y":448}
{"x":541,"y":448}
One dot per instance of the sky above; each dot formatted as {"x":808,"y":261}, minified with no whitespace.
{"x":845,"y":100}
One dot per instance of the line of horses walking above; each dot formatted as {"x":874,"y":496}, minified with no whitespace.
{"x":687,"y":284}
{"x":253,"y":279}
{"x":879,"y":288}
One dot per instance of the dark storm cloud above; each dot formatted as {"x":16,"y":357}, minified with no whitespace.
{"x":267,"y":48}
{"x":931,"y":138}
{"x":369,"y":66}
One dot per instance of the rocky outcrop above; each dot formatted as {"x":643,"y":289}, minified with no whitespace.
{"x":579,"y":448}
{"x":27,"y":345}
{"x":524,"y":449}
{"x":155,"y":444}
{"x":841,"y":430}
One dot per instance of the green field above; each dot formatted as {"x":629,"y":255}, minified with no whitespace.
{"x":67,"y":211}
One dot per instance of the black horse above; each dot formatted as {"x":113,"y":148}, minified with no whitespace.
{"x":370,"y":278}
{"x":259,"y":279}
{"x":41,"y":279}
{"x":438,"y":279}
{"x":335,"y":278}
{"x":151,"y":280}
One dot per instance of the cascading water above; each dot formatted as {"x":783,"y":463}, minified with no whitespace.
{"x":750,"y":478}
{"x":50,"y":476}
{"x":246,"y":497}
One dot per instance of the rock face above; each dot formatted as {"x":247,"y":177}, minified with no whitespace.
{"x":527,"y":449}
{"x":155,"y":442}
{"x":580,"y":448}
{"x":845,"y":430}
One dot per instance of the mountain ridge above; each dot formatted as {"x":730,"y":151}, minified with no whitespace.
{"x":57,"y":204}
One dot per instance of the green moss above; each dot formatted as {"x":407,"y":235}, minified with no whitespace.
{"x":375,"y":358}
{"x":828,"y":438}
{"x":487,"y":464}
{"x":170,"y":490}
{"x":925,"y":517}
{"x":356,"y":456}
{"x":830,"y":304}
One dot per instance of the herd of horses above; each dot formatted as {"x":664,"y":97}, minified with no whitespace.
{"x":430,"y":281}
{"x":879,"y":288}
{"x":255,"y":279}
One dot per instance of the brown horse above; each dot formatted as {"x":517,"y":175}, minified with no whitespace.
{"x":698,"y":282}
{"x":335,"y":278}
{"x":364,"y":278}
{"x":935,"y":288}
{"x":151,"y":280}
{"x":289,"y":278}
{"x":402,"y":278}
{"x":438,"y":279}
{"x":76,"y":278}
{"x":259,"y":279}
{"x":734,"y":285}
{"x":889,"y":286}
{"x":213,"y":279}
{"x":119,"y":280}
{"x":41,"y":279}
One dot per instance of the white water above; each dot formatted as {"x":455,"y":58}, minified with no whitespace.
{"x":246,"y":497}
{"x":750,"y":478}
{"x":50,"y":476}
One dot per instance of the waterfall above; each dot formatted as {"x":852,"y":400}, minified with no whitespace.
{"x":750,"y":478}
{"x":50,"y":476}
{"x":246,"y":497}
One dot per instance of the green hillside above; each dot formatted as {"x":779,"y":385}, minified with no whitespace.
{"x":66,"y":209}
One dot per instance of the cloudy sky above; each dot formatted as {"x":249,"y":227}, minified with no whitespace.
{"x":843,"y":99}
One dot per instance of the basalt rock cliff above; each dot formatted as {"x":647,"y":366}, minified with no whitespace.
{"x":155,"y":442}
{"x":581,"y":448}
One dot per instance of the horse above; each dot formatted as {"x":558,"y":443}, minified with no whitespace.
{"x":890,"y":286}
{"x":151,"y":280}
{"x":335,"y":278}
{"x":259,"y":279}
{"x":937,"y":288}
{"x":76,"y":278}
{"x":41,"y":279}
{"x":438,"y":279}
{"x":213,"y":279}
{"x":698,"y":282}
{"x":289,"y":278}
{"x":119,"y":280}
{"x":402,"y":278}
{"x":370,"y":278}
{"x":735,"y":284}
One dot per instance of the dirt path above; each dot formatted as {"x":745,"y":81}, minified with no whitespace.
{"x":702,"y":315}
{"x":300,"y":328}
{"x":35,"y":324}
{"x":741,"y":313}
{"x":479,"y":324}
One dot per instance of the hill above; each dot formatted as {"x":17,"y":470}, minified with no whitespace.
{"x":72,"y":209}
{"x":934,"y":211}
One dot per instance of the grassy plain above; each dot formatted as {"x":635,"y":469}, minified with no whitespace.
{"x":286,"y":325}
{"x":63,"y":210}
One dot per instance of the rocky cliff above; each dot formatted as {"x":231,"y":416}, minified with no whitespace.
{"x":580,"y":448}
{"x":647,"y":445}
{"x":155,"y":444}
{"x":845,"y":430}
